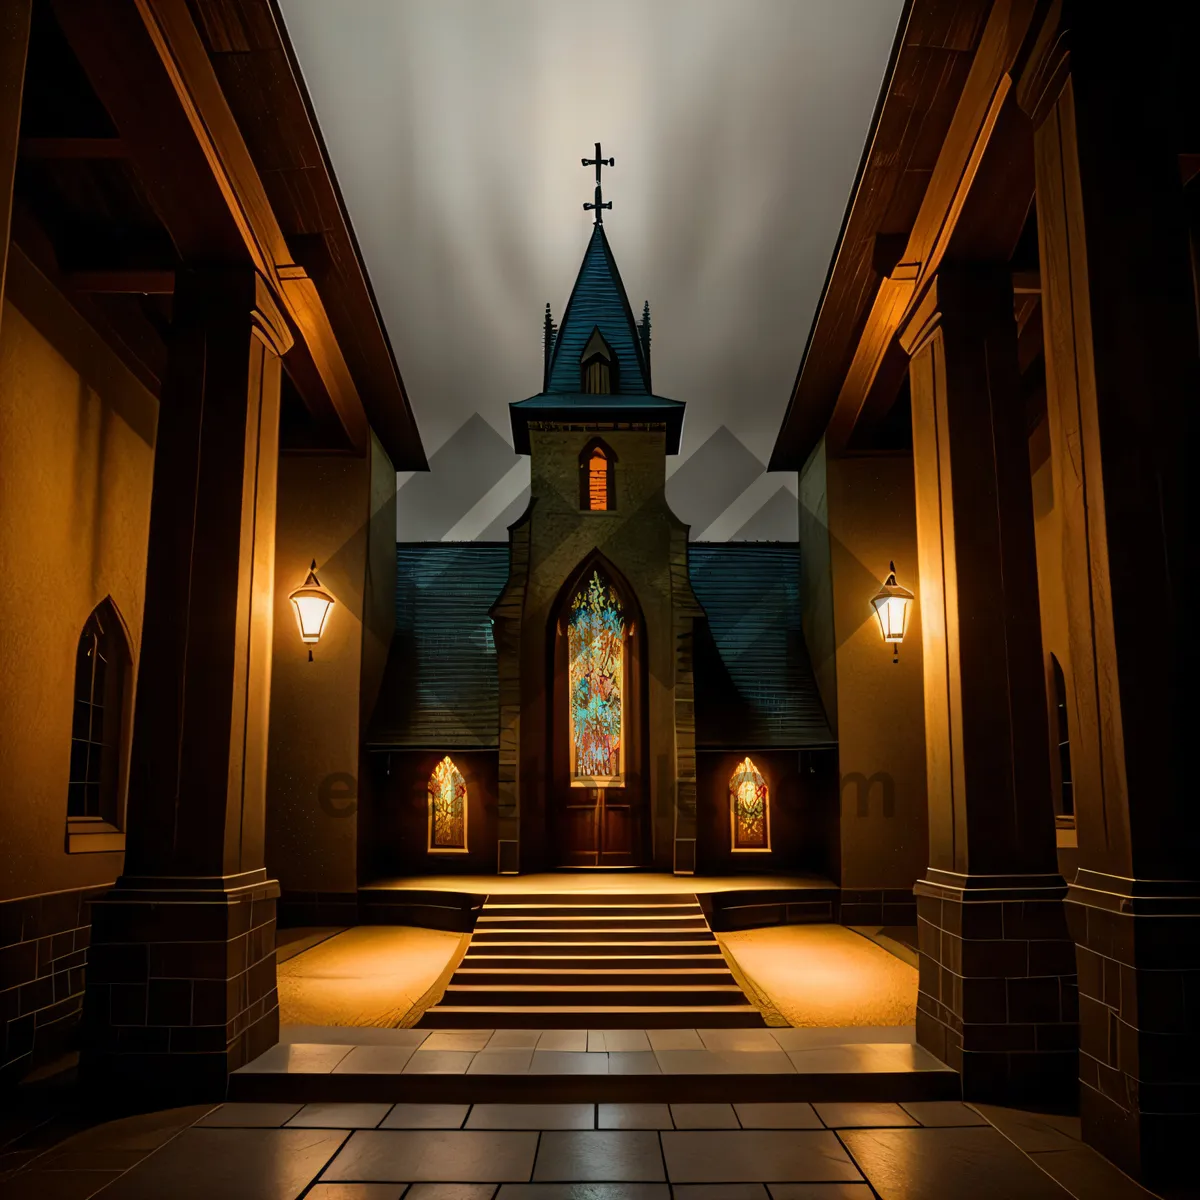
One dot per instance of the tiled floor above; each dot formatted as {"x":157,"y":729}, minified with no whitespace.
{"x":941,"y":1150}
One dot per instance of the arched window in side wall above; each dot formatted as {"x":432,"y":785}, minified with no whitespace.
{"x":102,"y":665}
{"x":447,"y":808}
{"x":597,"y":477}
{"x":1066,"y":790}
{"x":749,"y":808}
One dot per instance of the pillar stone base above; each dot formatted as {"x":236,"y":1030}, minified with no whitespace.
{"x":180,"y":984}
{"x":1139,"y":1021}
{"x":997,"y":998}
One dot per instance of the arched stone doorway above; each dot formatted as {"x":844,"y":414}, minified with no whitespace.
{"x":596,"y":813}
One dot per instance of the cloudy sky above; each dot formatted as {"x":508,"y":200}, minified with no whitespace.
{"x":456,"y":128}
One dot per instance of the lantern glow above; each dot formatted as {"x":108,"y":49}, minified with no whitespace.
{"x":892,"y":603}
{"x":312,"y":604}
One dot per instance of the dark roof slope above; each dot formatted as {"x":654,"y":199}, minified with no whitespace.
{"x":440,"y":687}
{"x":754,"y":683}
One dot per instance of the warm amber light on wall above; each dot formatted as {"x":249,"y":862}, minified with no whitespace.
{"x":312,"y":604}
{"x":892,"y":603}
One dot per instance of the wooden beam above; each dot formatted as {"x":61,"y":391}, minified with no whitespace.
{"x":80,"y":148}
{"x":963,"y":213}
{"x":142,"y":283}
{"x":150,"y":69}
{"x":15,"y":18}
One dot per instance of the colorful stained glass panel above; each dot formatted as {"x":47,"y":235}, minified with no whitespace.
{"x":596,"y":658}
{"x":748,"y":800}
{"x":447,"y":807}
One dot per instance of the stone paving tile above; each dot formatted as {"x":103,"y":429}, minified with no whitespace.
{"x":57,"y":1185}
{"x":358,"y":1191}
{"x":563,"y":1039}
{"x":892,"y":1057}
{"x":249,"y":1116}
{"x":568,"y":1062}
{"x":426,"y":1116}
{"x":947,"y":1164}
{"x":761,"y":1062}
{"x":376,"y":1060}
{"x":815,"y":1039}
{"x":674,"y":1039}
{"x":584,"y":1191}
{"x":704,"y":1116}
{"x":457,"y":1039}
{"x":450,"y":1191}
{"x":633,"y":1116}
{"x":339,"y":1116}
{"x":863,"y":1115}
{"x":745,"y":1040}
{"x":234,"y":1164}
{"x":532,"y":1116}
{"x":720,"y":1191}
{"x":633,"y":1062}
{"x":795,"y":1115}
{"x":620,"y":1040}
{"x":501,"y":1062}
{"x":353,"y":1035}
{"x":820,"y":1191}
{"x":439,"y":1062}
{"x":514,"y":1039}
{"x":756,"y":1156}
{"x":1084,"y":1172}
{"x":691,"y":1062}
{"x":1033,"y":1131}
{"x":600,"y":1155}
{"x":298,"y":1058}
{"x":942,"y":1113}
{"x":435,"y":1156}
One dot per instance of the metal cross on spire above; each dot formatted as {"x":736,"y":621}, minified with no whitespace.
{"x":598,"y":162}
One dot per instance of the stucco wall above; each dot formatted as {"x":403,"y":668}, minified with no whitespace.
{"x":313,"y":762}
{"x":881,"y":729}
{"x":76,"y":464}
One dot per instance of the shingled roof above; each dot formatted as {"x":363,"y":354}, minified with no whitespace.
{"x":754,"y":685}
{"x":598,"y":302}
{"x":440,"y":688}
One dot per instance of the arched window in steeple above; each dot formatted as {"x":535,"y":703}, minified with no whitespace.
{"x":597,"y":477}
{"x":749,"y":808}
{"x":598,"y":376}
{"x":447,"y":808}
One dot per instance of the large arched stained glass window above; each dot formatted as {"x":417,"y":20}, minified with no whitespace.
{"x":749,"y":808}
{"x":596,"y":666}
{"x":447,"y":808}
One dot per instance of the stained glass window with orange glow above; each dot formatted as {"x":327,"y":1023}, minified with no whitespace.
{"x":749,"y":808}
{"x":598,"y":469}
{"x":596,"y":679}
{"x":447,"y":807}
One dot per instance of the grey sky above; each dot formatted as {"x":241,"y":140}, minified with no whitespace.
{"x":456,"y":128}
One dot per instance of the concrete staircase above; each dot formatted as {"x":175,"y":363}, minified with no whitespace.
{"x":598,"y":961}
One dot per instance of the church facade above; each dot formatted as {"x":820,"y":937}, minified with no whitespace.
{"x":598,"y":692}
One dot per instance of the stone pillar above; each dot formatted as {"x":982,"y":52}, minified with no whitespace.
{"x":997,"y":990}
{"x":14,"y":49}
{"x":181,"y":977}
{"x":1122,"y":381}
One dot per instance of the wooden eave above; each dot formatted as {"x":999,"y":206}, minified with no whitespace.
{"x":947,"y":175}
{"x":208,"y":184}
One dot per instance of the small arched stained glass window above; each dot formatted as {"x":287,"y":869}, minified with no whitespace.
{"x":447,"y":808}
{"x":598,"y":480}
{"x":749,"y":808}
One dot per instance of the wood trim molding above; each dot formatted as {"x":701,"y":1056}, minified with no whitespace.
{"x":1044,"y":67}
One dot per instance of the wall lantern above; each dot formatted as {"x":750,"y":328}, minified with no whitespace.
{"x":892,"y":603}
{"x":312,"y":604}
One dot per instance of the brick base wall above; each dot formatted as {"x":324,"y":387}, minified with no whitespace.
{"x":43,"y":952}
{"x":997,"y":997}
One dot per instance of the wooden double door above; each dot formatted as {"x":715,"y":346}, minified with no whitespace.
{"x":597,"y":827}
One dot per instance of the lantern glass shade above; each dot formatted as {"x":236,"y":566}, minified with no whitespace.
{"x":892,"y":604}
{"x":312,"y":604}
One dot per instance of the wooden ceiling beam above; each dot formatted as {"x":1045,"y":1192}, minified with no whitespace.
{"x":88,"y":149}
{"x":148,"y":64}
{"x":121,"y":282}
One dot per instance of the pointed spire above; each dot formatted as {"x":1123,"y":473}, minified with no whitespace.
{"x":644,"y":334}
{"x":548,"y":333}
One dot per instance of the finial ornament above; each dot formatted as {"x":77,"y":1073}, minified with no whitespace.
{"x":598,"y":204}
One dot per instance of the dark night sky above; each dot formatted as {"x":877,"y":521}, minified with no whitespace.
{"x":456,"y":128}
